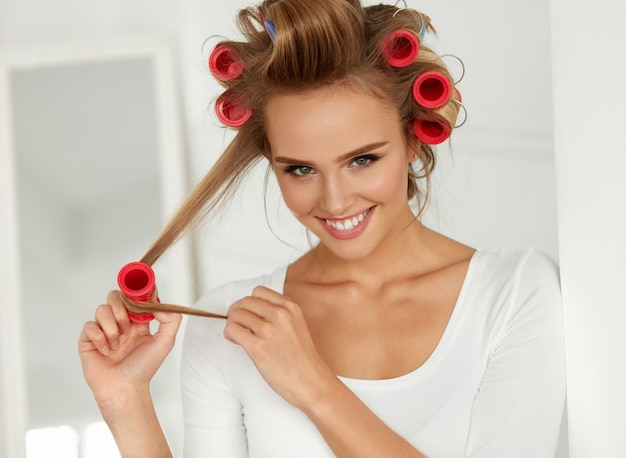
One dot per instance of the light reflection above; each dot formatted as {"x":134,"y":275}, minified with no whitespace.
{"x":96,"y":441}
{"x":54,"y":442}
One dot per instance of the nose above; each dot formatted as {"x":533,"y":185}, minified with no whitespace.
{"x":337,"y":196}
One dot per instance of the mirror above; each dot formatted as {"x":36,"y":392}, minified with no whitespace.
{"x":92,"y":133}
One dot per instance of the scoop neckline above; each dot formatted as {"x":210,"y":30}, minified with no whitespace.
{"x":278,"y":284}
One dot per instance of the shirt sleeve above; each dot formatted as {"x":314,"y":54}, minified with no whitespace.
{"x":212,"y":414}
{"x":518,"y":409}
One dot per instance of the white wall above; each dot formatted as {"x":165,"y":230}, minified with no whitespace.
{"x":589,"y":98}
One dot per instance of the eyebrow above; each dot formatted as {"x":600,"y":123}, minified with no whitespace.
{"x":356,"y":152}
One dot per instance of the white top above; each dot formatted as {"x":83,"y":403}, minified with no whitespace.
{"x":493,"y":387}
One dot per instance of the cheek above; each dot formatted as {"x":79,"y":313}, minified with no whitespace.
{"x":298,"y":198}
{"x":389,"y":185}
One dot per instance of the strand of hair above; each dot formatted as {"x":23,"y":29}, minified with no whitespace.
{"x":144,"y":307}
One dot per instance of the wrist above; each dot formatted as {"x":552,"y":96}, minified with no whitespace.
{"x":119,"y":401}
{"x":133,"y":422}
{"x":322,"y":397}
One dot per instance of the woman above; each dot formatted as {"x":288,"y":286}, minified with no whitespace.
{"x":386,"y":339}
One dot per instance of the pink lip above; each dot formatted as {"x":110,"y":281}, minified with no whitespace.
{"x":349,"y":233}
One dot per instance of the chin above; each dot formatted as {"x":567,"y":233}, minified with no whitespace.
{"x":348,"y":250}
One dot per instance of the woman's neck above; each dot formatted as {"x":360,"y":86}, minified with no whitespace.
{"x":416,"y":250}
{"x":395,"y":256}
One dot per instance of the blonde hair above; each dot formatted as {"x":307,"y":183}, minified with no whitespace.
{"x":317,"y":44}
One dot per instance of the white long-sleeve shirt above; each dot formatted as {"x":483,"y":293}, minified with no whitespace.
{"x":493,"y":387}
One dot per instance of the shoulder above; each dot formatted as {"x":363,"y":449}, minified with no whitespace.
{"x":203,"y":337}
{"x":516,"y":257}
{"x":515,"y":266}
{"x":201,"y":330}
{"x":219,"y":299}
{"x":517,"y":288}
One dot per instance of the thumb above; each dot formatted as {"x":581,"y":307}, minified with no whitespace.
{"x":169,"y":323}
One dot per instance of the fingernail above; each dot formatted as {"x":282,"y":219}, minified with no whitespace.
{"x":106,"y":350}
{"x":114,"y":345}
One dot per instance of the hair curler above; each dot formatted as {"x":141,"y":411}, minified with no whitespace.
{"x":136,"y":281}
{"x":431,"y":132}
{"x":225,"y":64}
{"x":400,"y":48}
{"x":432,"y":90}
{"x":231,"y":113}
{"x":270,"y":28}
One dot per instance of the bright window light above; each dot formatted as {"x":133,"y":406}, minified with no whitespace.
{"x":57,"y":442}
{"x":98,"y":442}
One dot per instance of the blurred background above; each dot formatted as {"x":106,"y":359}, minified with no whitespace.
{"x":105,"y":125}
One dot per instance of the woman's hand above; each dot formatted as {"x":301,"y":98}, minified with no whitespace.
{"x":120,"y":357}
{"x":272,"y":330}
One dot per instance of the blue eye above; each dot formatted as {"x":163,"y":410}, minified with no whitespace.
{"x":300,"y":170}
{"x":361,"y":161}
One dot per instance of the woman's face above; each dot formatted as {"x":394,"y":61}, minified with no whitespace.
{"x":341,"y":161}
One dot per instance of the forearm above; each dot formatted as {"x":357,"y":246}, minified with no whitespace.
{"x":351,"y":429}
{"x":133,"y":422}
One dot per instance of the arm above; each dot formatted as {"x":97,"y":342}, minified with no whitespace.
{"x":119,"y":359}
{"x":518,"y":409}
{"x":212,"y":413}
{"x":273,"y":332}
{"x":350,"y":428}
{"x":134,"y":424}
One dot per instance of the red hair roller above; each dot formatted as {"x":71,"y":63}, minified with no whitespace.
{"x":136,"y":281}
{"x":432,"y":90}
{"x":431,"y":132}
{"x":230,"y":113}
{"x":225,"y":64}
{"x":400,"y":48}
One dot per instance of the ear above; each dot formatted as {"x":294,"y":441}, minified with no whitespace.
{"x":413,"y":147}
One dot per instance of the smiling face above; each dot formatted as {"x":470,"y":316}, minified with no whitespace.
{"x":341,"y":161}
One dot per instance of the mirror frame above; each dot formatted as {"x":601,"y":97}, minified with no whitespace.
{"x":173,"y":184}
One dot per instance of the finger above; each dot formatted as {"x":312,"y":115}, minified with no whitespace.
{"x":239,"y":335}
{"x":169,"y":324}
{"x":168,"y":318}
{"x":282,"y":308}
{"x":270,"y":295}
{"x":105,"y":318}
{"x":262,"y":306}
{"x":92,"y":337}
{"x":248,"y":319}
{"x":114,"y":299}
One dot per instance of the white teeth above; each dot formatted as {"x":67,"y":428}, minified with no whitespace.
{"x":347,"y":224}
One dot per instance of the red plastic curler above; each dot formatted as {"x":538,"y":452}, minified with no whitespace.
{"x":400,"y":48}
{"x":225,"y":64}
{"x":230,"y":113}
{"x":431,"y":132}
{"x":432,"y":90}
{"x":136,"y":281}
